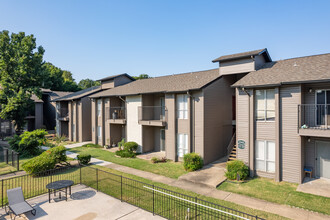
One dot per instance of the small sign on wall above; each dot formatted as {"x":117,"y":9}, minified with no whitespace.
{"x":241,"y":144}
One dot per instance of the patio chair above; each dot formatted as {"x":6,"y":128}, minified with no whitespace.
{"x":17,"y":204}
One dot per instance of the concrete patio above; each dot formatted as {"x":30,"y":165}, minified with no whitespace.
{"x":84,"y":204}
{"x":320,"y":187}
{"x":150,"y":155}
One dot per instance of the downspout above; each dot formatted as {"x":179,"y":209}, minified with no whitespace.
{"x":192,"y":121}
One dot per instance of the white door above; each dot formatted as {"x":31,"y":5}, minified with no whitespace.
{"x":323,"y":159}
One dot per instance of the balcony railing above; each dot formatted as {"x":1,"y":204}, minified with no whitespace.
{"x":314,"y":116}
{"x":152,"y":113}
{"x":115,"y":113}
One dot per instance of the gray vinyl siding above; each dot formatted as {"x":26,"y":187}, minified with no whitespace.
{"x":265,"y":130}
{"x":237,"y":66}
{"x":218,"y":118}
{"x":290,"y":98}
{"x":242,"y":124}
{"x":86,"y":122}
{"x":199,"y":122}
{"x":170,"y":138}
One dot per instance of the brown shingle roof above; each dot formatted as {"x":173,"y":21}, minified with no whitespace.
{"x":243,"y":55}
{"x":295,"y":70}
{"x":115,"y":76}
{"x":80,"y":94}
{"x":171,"y":83}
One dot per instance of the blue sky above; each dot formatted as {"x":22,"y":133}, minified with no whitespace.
{"x":94,"y":39}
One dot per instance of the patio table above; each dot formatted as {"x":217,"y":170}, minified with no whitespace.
{"x":60,"y":186}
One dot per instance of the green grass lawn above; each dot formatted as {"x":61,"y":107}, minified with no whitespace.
{"x":279,"y":192}
{"x":169,"y":169}
{"x":104,"y":178}
{"x":6,"y":168}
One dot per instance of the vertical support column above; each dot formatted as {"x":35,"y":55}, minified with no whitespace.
{"x":251,"y":132}
{"x":277,"y":136}
{"x":80,"y":121}
{"x":94,"y":124}
{"x":70,"y":120}
{"x":102,"y":122}
{"x":189,"y":125}
{"x":170,"y":129}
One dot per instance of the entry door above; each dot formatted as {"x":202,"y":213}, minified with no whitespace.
{"x":323,"y":159}
{"x":322,"y":104}
{"x":162,"y":139}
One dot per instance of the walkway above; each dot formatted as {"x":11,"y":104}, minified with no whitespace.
{"x":211,"y":175}
{"x":202,"y":189}
{"x":319,"y":187}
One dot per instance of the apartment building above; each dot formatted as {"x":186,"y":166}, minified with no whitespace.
{"x":177,"y":114}
{"x":42,"y":115}
{"x":73,"y":112}
{"x":283,"y":126}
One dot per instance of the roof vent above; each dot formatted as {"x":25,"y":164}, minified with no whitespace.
{"x":295,"y":64}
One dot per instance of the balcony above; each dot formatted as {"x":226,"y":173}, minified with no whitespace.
{"x":152,"y":115}
{"x":64,"y":114}
{"x":115,"y":115}
{"x":314,"y":120}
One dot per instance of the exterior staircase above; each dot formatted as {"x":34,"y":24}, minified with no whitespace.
{"x":232,"y":149}
{"x":232,"y":155}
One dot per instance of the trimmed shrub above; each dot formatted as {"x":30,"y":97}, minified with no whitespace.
{"x":125,"y":153}
{"x":234,"y":167}
{"x":92,"y":145}
{"x":159,"y":160}
{"x":121,"y":143}
{"x":45,"y":161}
{"x":131,"y":146}
{"x":28,"y":143}
{"x":192,"y":162}
{"x":84,"y":158}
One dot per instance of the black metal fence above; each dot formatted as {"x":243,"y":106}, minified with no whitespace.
{"x":9,"y":157}
{"x":159,"y":201}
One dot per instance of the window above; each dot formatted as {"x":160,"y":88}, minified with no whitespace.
{"x":182,"y":144}
{"x":265,"y":156}
{"x":182,"y":106}
{"x":99,"y":106}
{"x":99,"y":133}
{"x":265,"y":105}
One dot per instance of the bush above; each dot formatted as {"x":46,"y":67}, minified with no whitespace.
{"x":125,"y":153}
{"x":192,"y":162}
{"x":84,"y":158}
{"x":131,"y":146}
{"x":92,"y":145}
{"x":237,"y":166}
{"x":158,"y":160}
{"x":121,"y":143}
{"x":29,"y":143}
{"x":45,"y":161}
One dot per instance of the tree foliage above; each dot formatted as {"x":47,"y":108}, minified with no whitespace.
{"x":87,"y":83}
{"x":57,"y":79}
{"x":20,"y":75}
{"x":141,"y":76}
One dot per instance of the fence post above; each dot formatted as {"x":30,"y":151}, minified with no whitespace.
{"x":153,"y":199}
{"x":196,"y":207}
{"x":12,"y":158}
{"x":80,"y":173}
{"x":2,"y":193}
{"x":97,"y":179}
{"x":17,"y":154}
{"x":6,"y":154}
{"x":121,"y":188}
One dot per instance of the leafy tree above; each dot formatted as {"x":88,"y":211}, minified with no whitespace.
{"x":20,"y":75}
{"x":58,"y":79}
{"x":87,"y":83}
{"x":141,"y":76}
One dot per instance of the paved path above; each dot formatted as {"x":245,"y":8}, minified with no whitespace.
{"x":211,"y":175}
{"x":202,"y":189}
